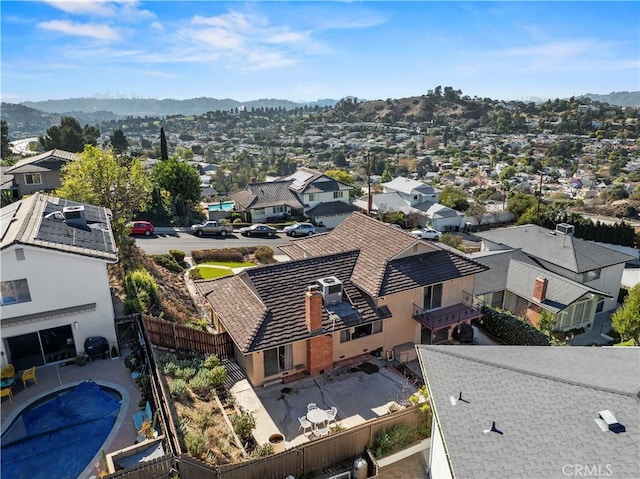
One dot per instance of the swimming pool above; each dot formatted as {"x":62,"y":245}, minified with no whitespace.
{"x":60,"y":434}
{"x":222,"y":206}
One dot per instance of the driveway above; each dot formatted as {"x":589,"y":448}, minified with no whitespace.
{"x":359,"y":397}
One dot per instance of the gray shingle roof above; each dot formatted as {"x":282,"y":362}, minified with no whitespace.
{"x":495,"y":278}
{"x":49,"y":160}
{"x":543,"y":399}
{"x":424,"y":269}
{"x":332,"y":208}
{"x":564,"y":250}
{"x":267,"y":194}
{"x":28,"y":224}
{"x":264,"y":307}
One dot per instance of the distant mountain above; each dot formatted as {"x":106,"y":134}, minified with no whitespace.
{"x":141,"y":107}
{"x":618,"y":98}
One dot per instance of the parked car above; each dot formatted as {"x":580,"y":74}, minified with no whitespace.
{"x":427,"y":233}
{"x":300,"y":229}
{"x":258,"y":230}
{"x":141,"y":228}
{"x":212,"y":228}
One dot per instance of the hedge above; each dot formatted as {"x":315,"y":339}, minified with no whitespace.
{"x":224,"y":254}
{"x":168,"y":261}
{"x":510,"y":329}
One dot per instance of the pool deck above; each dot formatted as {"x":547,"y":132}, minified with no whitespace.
{"x":109,"y":372}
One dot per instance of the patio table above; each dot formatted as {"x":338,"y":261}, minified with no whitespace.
{"x":317,"y":416}
{"x":7,"y":382}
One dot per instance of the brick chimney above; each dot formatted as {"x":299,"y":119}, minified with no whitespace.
{"x":540,"y":289}
{"x":313,"y":309}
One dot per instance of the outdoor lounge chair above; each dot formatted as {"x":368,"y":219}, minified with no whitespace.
{"x":6,"y":392}
{"x":321,"y":430}
{"x":29,"y":374}
{"x":304,"y":425}
{"x":311,"y":406}
{"x":141,"y":416}
{"x":331,"y":415}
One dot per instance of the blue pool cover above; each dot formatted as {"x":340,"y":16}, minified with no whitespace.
{"x":60,"y":437}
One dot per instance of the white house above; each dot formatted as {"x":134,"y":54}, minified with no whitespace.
{"x":54,"y":281}
{"x":413,"y":192}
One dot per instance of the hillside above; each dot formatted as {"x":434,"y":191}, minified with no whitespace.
{"x":619,"y":98}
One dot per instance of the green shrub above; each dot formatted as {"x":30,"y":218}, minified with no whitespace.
{"x":223,"y":254}
{"x":195,"y":274}
{"x":170,"y":369}
{"x":178,"y":388}
{"x":167,"y":261}
{"x":142,"y":288}
{"x":263,"y":450}
{"x":237,"y":221}
{"x":177,"y":255}
{"x":195,"y":443}
{"x":205,"y":420}
{"x":263,"y":253}
{"x":217,"y":375}
{"x":394,"y":438}
{"x":243,"y":424}
{"x":199,"y":384}
{"x":211,"y":362}
{"x":185,"y":373}
{"x":131,"y":306}
{"x":509,"y":329}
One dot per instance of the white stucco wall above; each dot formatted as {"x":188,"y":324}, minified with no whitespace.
{"x":56,"y":281}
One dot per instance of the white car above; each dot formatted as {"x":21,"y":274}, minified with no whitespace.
{"x":427,"y":233}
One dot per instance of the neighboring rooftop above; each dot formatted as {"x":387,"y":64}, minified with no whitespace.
{"x":266,"y":194}
{"x":409,"y":186}
{"x":544,"y":400}
{"x":40,"y":221}
{"x":43,"y":162}
{"x":562,"y":249}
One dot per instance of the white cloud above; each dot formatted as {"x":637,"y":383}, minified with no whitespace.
{"x":125,"y":10}
{"x":92,"y":30}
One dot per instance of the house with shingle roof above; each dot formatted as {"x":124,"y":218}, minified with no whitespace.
{"x":54,"y":282}
{"x":364,"y":287}
{"x":534,"y":269}
{"x":306,"y":192}
{"x":40,"y":172}
{"x":532,"y":412}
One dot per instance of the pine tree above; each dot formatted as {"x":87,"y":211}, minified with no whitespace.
{"x":164,"y":153}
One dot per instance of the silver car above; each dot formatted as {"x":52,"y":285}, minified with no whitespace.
{"x":300,"y":229}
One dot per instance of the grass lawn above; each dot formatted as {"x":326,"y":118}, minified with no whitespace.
{"x":229,"y":264}
{"x":211,"y":273}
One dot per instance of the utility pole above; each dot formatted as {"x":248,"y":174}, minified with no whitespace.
{"x":369,"y":197}
{"x":539,"y":197}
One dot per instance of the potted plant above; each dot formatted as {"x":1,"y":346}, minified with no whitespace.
{"x":147,"y":431}
{"x":82,"y":358}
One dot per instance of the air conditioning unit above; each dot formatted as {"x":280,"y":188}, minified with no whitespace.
{"x":564,"y":228}
{"x":331,"y":288}
{"x":74,"y":215}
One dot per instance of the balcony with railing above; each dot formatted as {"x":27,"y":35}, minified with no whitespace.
{"x":436,"y":319}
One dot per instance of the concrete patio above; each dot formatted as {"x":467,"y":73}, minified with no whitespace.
{"x":109,"y":372}
{"x":277,"y":407}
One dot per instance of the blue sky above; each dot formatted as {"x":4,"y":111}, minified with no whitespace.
{"x":309,"y":50}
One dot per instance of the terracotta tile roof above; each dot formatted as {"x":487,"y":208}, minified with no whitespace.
{"x":377,"y":242}
{"x":427,"y":268}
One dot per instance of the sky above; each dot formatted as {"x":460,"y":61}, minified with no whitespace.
{"x":310,"y":50}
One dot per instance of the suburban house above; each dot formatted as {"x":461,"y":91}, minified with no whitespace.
{"x":532,"y":412}
{"x":40,"y":172}
{"x":363,"y":288}
{"x":55,"y":286}
{"x":304,"y":193}
{"x":412,"y":196}
{"x":534,"y":269}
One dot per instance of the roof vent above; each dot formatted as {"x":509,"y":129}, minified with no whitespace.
{"x":74,"y":216}
{"x":331,"y":288}
{"x":607,"y":420}
{"x":565,"y":228}
{"x":493,"y":428}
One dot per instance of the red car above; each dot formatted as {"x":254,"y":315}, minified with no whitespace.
{"x":141,"y":228}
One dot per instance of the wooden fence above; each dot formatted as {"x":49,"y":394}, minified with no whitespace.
{"x":176,"y":336}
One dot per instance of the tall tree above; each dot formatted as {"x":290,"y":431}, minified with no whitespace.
{"x":96,"y":177}
{"x":69,"y":136}
{"x":454,"y":197}
{"x":178,"y":178}
{"x":5,"y":151}
{"x":164,"y":153}
{"x":119,"y":142}
{"x":626,"y":320}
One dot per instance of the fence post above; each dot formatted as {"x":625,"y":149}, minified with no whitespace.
{"x":175,"y":340}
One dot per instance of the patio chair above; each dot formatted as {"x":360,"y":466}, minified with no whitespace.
{"x":311,"y":406}
{"x":321,"y":430}
{"x":6,"y":392}
{"x":304,"y":425}
{"x":29,"y":374}
{"x":331,"y":415}
{"x":8,"y":372}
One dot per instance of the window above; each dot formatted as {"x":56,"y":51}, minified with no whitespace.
{"x":432,"y":296}
{"x":32,"y":179}
{"x":415,"y":197}
{"x":19,"y":254}
{"x":278,"y":209}
{"x":278,"y":359}
{"x":314,"y":197}
{"x":337,"y":194}
{"x":16,"y":291}
{"x":361,"y":331}
{"x":260,"y":212}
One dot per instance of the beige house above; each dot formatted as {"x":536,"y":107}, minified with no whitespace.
{"x":40,"y":172}
{"x":363,"y":288}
